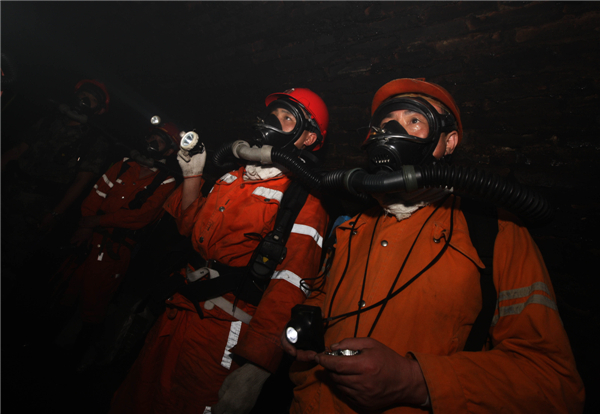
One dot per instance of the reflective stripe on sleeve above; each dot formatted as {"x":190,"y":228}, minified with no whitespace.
{"x":309,"y":231}
{"x":292,"y":278}
{"x":268,"y":193}
{"x":516,"y":309}
{"x":100,"y":193}
{"x":107,"y":181}
{"x":167,"y":181}
{"x":234,"y":334}
{"x":523,"y":292}
{"x":207,"y":410}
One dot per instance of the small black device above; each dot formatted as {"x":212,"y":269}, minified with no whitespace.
{"x":305,"y":330}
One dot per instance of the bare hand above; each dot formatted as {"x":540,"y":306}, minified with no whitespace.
{"x":48,"y":222}
{"x":299,"y":354}
{"x":82,"y":235}
{"x":376,"y":378}
{"x":89,"y":222}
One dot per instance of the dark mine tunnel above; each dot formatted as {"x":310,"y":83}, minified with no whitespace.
{"x":525,"y":76}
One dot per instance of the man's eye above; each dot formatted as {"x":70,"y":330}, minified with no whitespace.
{"x":415,"y":120}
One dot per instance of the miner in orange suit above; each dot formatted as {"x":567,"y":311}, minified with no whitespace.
{"x":127,"y":198}
{"x":213,"y":354}
{"x":405,"y":290}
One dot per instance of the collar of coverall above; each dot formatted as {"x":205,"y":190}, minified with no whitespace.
{"x":403,"y":205}
{"x":255,"y":172}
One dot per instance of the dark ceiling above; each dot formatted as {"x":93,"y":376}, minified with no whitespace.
{"x":519,"y":70}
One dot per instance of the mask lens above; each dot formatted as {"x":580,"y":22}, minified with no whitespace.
{"x":273,"y":121}
{"x":394,"y":127}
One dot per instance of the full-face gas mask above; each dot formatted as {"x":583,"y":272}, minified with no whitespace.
{"x":390,"y":146}
{"x":269,"y":131}
{"x":151,"y":146}
{"x":82,"y":104}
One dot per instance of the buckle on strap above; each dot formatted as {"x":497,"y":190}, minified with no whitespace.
{"x":200,"y":273}
{"x":219,"y":301}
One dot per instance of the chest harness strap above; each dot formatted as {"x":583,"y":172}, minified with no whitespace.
{"x":249,"y":283}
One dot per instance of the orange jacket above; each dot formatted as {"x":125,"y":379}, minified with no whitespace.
{"x":112,"y":196}
{"x":530,"y":367}
{"x":220,"y":225}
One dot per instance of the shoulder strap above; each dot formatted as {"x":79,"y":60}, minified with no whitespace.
{"x":143,"y":196}
{"x":271,"y":251}
{"x":124,"y":167}
{"x":482,"y":220}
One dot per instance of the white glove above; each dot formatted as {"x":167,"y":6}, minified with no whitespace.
{"x":191,"y":166}
{"x":240,"y":390}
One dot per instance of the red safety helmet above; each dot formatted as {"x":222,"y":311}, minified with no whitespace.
{"x":169,"y":132}
{"x":313,"y":104}
{"x":418,"y":86}
{"x":98,"y":89}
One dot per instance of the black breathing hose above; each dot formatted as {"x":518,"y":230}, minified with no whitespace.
{"x":297,"y":166}
{"x":524,"y":202}
{"x":528,"y":204}
{"x":223,"y":157}
{"x":286,"y":158}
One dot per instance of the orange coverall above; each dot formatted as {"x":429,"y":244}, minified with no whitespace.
{"x":530,"y":368}
{"x":95,"y":281}
{"x":186,"y":359}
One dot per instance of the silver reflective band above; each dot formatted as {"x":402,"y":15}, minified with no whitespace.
{"x":291,"y":335}
{"x":100,"y":193}
{"x":234,"y":334}
{"x":523,"y":292}
{"x":268,"y":193}
{"x":309,"y":231}
{"x":292,"y":278}
{"x":107,"y":181}
{"x":518,"y":308}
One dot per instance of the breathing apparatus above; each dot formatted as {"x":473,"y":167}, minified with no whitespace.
{"x":269,"y":131}
{"x":82,"y":103}
{"x":269,"y":142}
{"x":169,"y":134}
{"x":399,"y":162}
{"x":80,"y":108}
{"x":391,"y":146}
